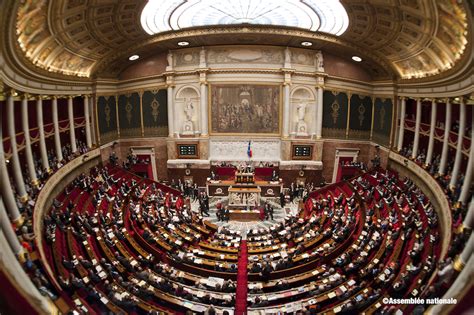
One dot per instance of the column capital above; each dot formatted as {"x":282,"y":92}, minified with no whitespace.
{"x":54,"y":97}
{"x":25,"y":95}
{"x":458,"y":264}
{"x":39,"y":97}
{"x":9,"y":92}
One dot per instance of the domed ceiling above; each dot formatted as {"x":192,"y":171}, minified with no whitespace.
{"x":397,"y":39}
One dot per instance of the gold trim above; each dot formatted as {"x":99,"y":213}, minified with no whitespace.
{"x":458,"y":264}
{"x":19,"y":221}
{"x":24,"y":199}
{"x":21,"y":255}
{"x":280,"y":110}
{"x":140,"y":93}
{"x":35,"y":182}
{"x":117,"y":115}
{"x":373,"y":114}
{"x":97,"y":118}
{"x":459,"y":229}
{"x":349,"y":95}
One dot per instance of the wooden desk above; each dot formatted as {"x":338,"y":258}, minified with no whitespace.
{"x":244,"y":215}
{"x":220,"y":188}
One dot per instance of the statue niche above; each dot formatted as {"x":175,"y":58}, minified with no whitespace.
{"x":301,"y":126}
{"x":187,"y":103}
{"x":188,"y":128}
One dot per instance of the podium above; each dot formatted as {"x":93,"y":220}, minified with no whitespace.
{"x":244,"y":178}
{"x":243,"y":197}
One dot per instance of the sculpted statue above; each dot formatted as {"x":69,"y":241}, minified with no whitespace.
{"x":301,"y":108}
{"x":189,"y":110}
{"x":319,"y":61}
{"x":169,"y":58}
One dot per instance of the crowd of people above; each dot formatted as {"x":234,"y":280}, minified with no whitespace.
{"x":393,"y":209}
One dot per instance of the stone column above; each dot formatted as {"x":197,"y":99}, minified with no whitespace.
{"x":26,"y":131}
{"x":447,"y":129}
{"x":461,"y":260}
{"x":204,"y":110}
{"x":469,"y":170}
{"x":319,"y":114}
{"x":57,"y":136}
{"x":16,"y":168}
{"x":401,"y":130}
{"x":170,"y":111}
{"x":8,"y":230}
{"x":93,"y":120}
{"x":42,"y":141}
{"x":5,"y":187}
{"x":458,"y":158}
{"x":286,"y":110}
{"x":72,"y":130}
{"x":429,"y":154}
{"x":469,"y":218}
{"x":416,"y":141}
{"x":88,"y":122}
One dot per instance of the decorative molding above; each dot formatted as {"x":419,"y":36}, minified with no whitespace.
{"x":236,"y":150}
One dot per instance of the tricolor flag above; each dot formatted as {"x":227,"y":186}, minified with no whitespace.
{"x":249,"y":150}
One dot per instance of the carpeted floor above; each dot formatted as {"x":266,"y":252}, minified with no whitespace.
{"x":241,"y":294}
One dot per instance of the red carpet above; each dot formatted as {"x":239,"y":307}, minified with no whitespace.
{"x":241,"y":294}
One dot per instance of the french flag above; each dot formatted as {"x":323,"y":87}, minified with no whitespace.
{"x":249,"y":150}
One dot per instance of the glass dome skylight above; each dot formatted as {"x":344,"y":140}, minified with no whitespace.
{"x":328,"y":16}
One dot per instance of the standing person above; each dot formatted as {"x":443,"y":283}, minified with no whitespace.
{"x":226,"y":214}
{"x":282,"y":199}
{"x":292,"y":191}
{"x":219,"y":211}
{"x":205,"y":200}
{"x":195,"y":192}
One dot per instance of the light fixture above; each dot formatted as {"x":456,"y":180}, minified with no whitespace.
{"x":133,"y":57}
{"x":306,"y":44}
{"x":357,"y":58}
{"x":183,"y":43}
{"x":328,"y":16}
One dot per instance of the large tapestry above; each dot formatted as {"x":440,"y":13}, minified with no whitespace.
{"x":129,"y":115}
{"x":335,"y":114}
{"x":155,"y":113}
{"x":107,"y":116}
{"x":245,"y":109}
{"x":360,"y":118}
{"x":382,"y":120}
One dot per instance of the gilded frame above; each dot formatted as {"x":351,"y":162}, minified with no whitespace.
{"x":240,"y":84}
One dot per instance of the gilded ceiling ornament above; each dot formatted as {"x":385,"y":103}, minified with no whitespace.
{"x":361,"y":110}
{"x":128,"y":109}
{"x":335,"y":112}
{"x":154,"y":110}
{"x":107,"y":115}
{"x":382,"y":117}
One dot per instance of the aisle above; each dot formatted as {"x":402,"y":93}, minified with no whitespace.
{"x":241,"y":295}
